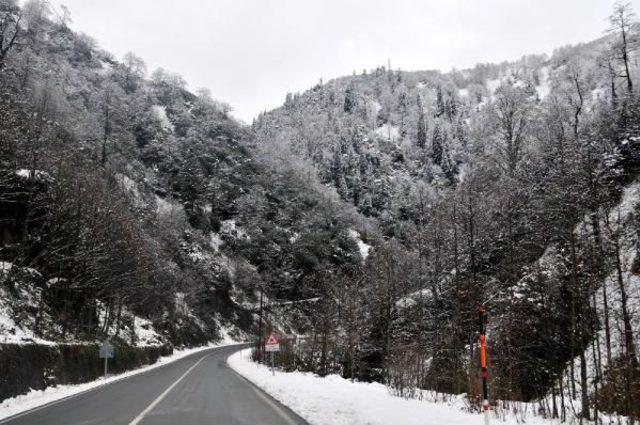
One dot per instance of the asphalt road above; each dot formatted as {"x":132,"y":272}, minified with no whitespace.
{"x":196,"y":390}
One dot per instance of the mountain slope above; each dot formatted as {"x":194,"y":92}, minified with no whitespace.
{"x":370,"y":215}
{"x":134,"y":200}
{"x":476,"y":178}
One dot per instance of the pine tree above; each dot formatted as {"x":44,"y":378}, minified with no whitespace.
{"x":343,"y":189}
{"x":440,"y":106}
{"x":448,"y":165}
{"x":437,"y":144}
{"x":403,"y":106}
{"x":421,"y":141}
{"x":350,"y":100}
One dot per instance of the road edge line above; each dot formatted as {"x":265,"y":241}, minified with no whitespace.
{"x":271,"y":401}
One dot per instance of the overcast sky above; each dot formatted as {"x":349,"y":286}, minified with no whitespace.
{"x":250,"y":53}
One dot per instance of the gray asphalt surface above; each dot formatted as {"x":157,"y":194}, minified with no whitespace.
{"x":210,"y":393}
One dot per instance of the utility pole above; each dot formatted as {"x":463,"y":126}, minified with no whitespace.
{"x":482,"y":342}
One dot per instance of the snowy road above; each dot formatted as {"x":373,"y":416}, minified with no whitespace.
{"x":198,"y":389}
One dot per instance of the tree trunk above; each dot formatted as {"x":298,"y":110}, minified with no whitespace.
{"x":584,"y":390}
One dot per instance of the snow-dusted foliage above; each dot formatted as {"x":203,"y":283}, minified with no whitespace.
{"x":370,"y":215}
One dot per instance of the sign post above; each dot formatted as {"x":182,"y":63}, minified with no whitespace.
{"x":482,"y":342}
{"x":272,"y":346}
{"x":106,"y":353}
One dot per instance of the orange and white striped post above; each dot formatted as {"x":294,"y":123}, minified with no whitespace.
{"x":482,"y":342}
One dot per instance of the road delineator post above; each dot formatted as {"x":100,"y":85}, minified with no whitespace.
{"x":482,"y":345}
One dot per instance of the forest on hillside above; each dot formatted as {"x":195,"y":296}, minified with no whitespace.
{"x":512,"y":186}
{"x":371,"y":214}
{"x":126,"y":200}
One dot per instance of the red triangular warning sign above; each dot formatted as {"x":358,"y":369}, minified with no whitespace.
{"x":272,"y":340}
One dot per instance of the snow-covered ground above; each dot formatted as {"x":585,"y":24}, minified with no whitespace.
{"x":13,"y":406}
{"x":28,"y":296}
{"x":336,"y":401}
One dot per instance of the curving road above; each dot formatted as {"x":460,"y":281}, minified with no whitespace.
{"x":196,"y":390}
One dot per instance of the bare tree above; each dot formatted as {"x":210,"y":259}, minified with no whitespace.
{"x":134,"y":70}
{"x":512,"y":109}
{"x":10,"y":17}
{"x":622,"y":20}
{"x":607,"y":61}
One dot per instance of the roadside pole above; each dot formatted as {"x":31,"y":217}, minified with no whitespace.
{"x":482,"y":342}
{"x":260,"y":336}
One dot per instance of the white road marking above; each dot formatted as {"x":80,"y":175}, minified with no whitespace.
{"x":134,"y":373}
{"x":274,"y":407}
{"x":267,"y":400}
{"x":155,"y":402}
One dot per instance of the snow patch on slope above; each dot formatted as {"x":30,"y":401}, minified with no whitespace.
{"x":161,"y":114}
{"x":363,"y":247}
{"x":11,"y":333}
{"x":544,"y":88}
{"x":27,"y":295}
{"x":389,"y":132}
{"x":230,"y":228}
{"x":492,"y":85}
{"x":28,"y":174}
{"x":145,"y":332}
{"x":215,"y":242}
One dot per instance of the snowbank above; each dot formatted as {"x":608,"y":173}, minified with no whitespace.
{"x":337,"y":401}
{"x":13,"y":406}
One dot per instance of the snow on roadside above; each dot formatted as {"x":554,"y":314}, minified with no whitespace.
{"x":35,"y":398}
{"x":336,"y":401}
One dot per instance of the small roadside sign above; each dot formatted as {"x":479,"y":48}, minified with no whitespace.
{"x":106,"y":353}
{"x":272,"y":344}
{"x":106,"y":350}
